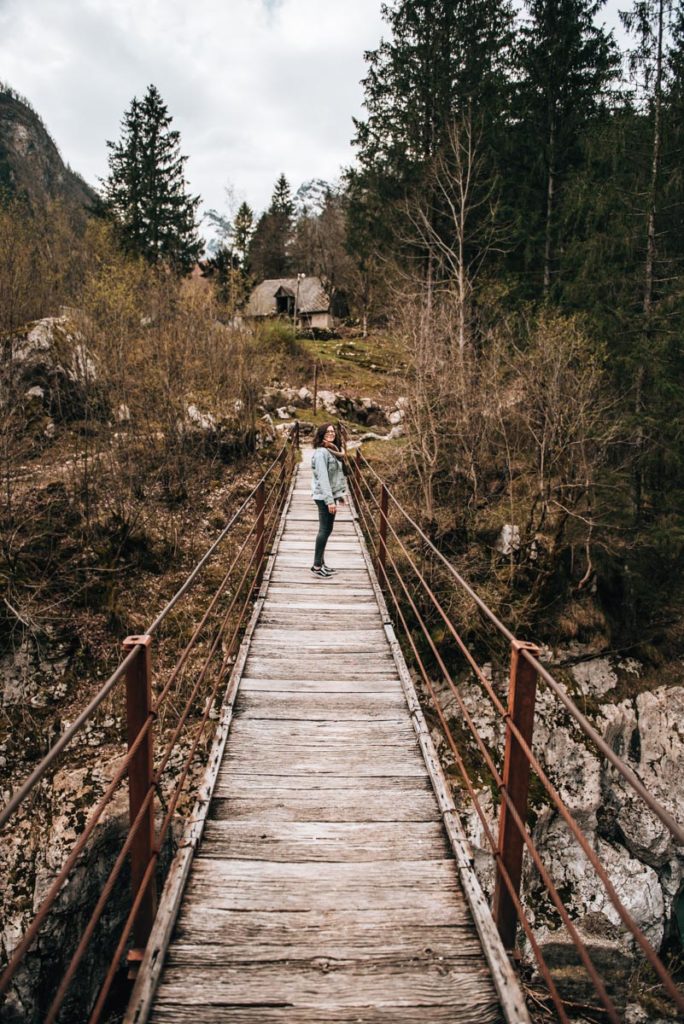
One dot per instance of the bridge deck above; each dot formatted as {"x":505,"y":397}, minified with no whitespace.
{"x":325,"y":887}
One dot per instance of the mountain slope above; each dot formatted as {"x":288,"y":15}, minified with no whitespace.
{"x":30,"y":163}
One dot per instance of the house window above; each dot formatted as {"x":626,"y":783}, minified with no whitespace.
{"x":284,"y":305}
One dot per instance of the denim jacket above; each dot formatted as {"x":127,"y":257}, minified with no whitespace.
{"x":328,"y":482}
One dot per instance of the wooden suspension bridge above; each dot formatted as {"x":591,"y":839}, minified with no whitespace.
{"x":324,"y":875}
{"x":331,"y":882}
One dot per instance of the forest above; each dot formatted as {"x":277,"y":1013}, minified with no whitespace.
{"x":509,"y":239}
{"x":514,"y":218}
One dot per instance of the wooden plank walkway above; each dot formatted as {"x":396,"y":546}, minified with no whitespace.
{"x":327,"y":886}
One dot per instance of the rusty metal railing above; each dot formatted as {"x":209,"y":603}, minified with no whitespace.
{"x":410,"y":593}
{"x":212,"y":645}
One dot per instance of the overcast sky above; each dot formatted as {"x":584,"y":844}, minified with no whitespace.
{"x":255,"y":87}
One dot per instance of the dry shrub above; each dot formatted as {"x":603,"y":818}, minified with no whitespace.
{"x":168,"y":399}
{"x":520,"y":428}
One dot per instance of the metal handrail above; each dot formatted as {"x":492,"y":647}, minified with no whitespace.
{"x":665,"y":817}
{"x":514,"y":802}
{"x":135,"y":668}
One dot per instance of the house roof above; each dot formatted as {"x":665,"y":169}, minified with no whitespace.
{"x":311,"y":296}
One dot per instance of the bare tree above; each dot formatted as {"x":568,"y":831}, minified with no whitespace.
{"x":457,"y":221}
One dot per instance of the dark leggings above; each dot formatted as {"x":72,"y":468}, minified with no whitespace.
{"x":326,"y":521}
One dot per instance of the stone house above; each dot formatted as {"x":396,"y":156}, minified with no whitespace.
{"x":301,"y":298}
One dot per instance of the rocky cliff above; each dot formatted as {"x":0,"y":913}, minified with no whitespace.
{"x":30,"y":163}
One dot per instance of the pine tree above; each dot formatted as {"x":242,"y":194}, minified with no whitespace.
{"x":281,"y":200}
{"x":145,"y":191}
{"x":243,"y":228}
{"x":566,"y":64}
{"x":446,"y":60}
{"x":656,"y":64}
{"x":269,"y":255}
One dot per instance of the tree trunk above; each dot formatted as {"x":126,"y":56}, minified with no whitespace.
{"x":550,"y":201}
{"x":649,"y":268}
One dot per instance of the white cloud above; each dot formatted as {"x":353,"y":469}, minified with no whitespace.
{"x":255,"y":87}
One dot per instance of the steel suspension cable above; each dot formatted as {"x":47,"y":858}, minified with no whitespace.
{"x":577,"y":941}
{"x":665,"y":817}
{"x":648,"y":951}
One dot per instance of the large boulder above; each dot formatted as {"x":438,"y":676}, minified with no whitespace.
{"x":48,"y":362}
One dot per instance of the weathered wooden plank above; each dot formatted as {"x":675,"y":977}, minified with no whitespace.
{"x":301,"y":561}
{"x":328,"y":1013}
{"x":357,"y":734}
{"x":319,"y":631}
{"x":291,"y":667}
{"x":339,"y":936}
{"x":300,"y":573}
{"x":321,"y":707}
{"x":367,"y":684}
{"x":266,"y":647}
{"x":302,"y":985}
{"x":260,"y":885}
{"x":249,"y":780}
{"x":402,"y":764}
{"x":325,"y":841}
{"x":310,"y":590}
{"x":334,"y":618}
{"x":214,"y":954}
{"x":346,"y":933}
{"x":321,"y":804}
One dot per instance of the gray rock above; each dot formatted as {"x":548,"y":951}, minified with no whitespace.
{"x":30,"y":674}
{"x":328,"y":401}
{"x":655,"y":744}
{"x":203,"y":420}
{"x":596,"y":677}
{"x":508,"y":541}
{"x":52,"y":366}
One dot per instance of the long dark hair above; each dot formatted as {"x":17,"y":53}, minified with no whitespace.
{"x":319,"y":436}
{"x":338,"y":450}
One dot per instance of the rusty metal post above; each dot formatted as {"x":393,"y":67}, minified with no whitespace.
{"x":315,"y":394}
{"x":516,"y":779}
{"x":260,"y":539}
{"x":356,"y":476}
{"x":140,"y":781}
{"x":382,"y":546}
{"x":283,"y":474}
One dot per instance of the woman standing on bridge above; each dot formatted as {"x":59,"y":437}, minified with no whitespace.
{"x":328,"y":488}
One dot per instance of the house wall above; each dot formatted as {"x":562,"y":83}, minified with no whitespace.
{"x":321,"y":320}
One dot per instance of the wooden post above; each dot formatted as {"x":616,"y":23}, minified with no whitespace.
{"x":382,"y":547}
{"x":260,"y":540}
{"x":140,"y":781}
{"x":315,"y":394}
{"x":516,"y":778}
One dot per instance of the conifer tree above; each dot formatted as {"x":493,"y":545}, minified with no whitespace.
{"x":243,"y":228}
{"x":269,"y":255}
{"x":145,"y":191}
{"x":281,"y":200}
{"x":445,"y":60}
{"x":566,"y":64}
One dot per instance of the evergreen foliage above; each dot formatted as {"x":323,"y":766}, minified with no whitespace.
{"x":513,"y":166}
{"x":269,"y":253}
{"x":243,"y":228}
{"x":145,"y":192}
{"x":565,"y":66}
